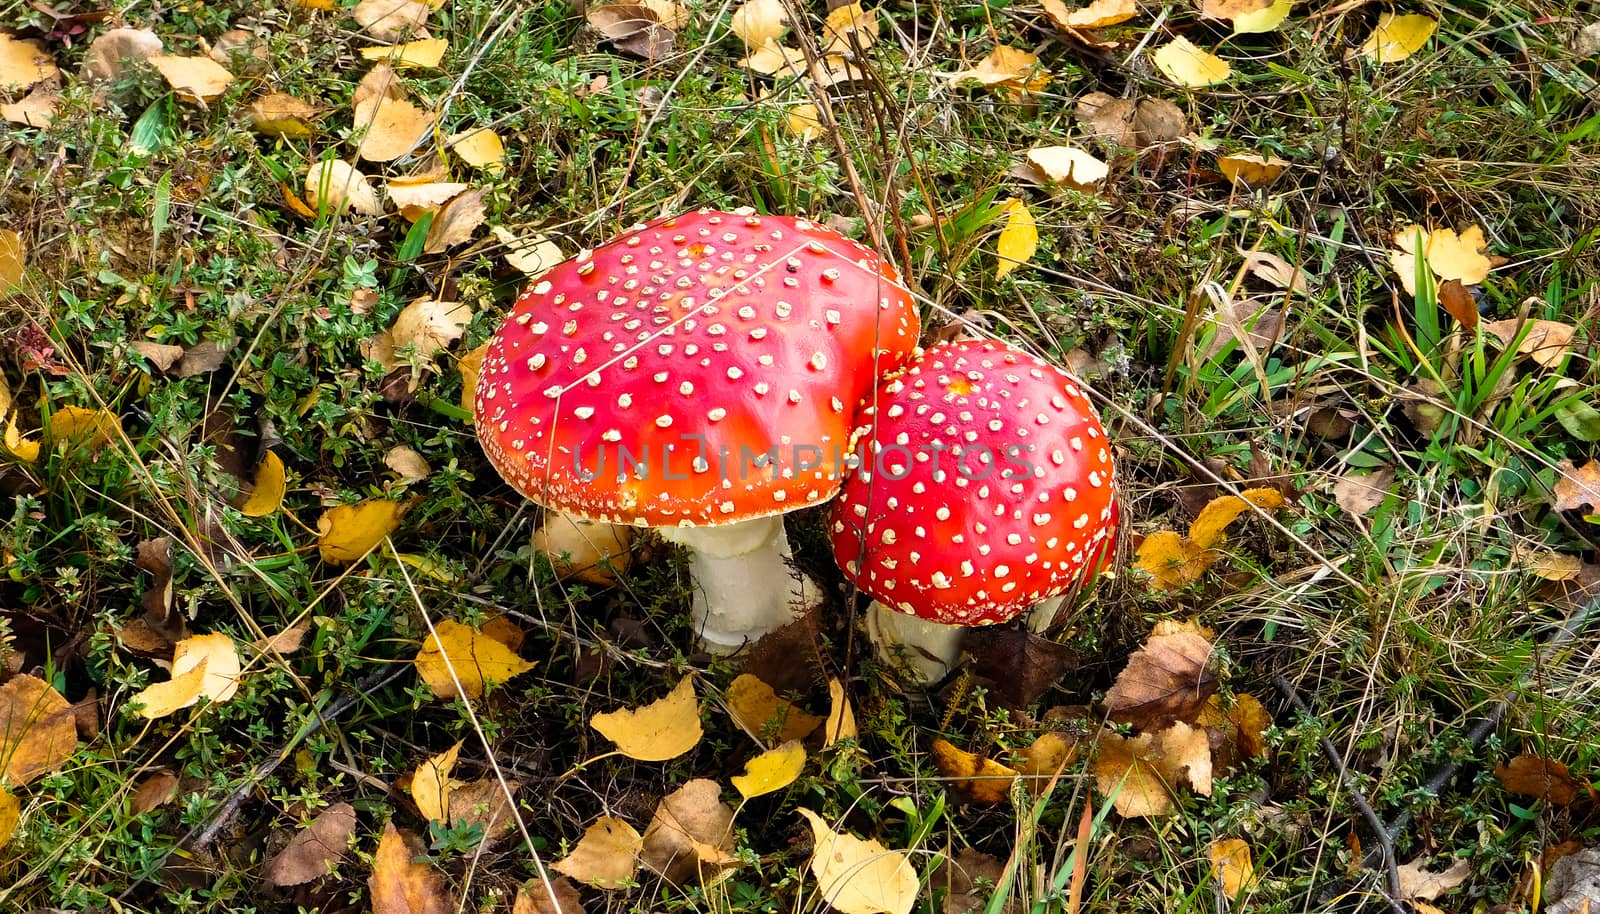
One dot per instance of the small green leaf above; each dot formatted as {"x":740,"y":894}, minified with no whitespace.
{"x":1581,"y":420}
{"x":415,"y":238}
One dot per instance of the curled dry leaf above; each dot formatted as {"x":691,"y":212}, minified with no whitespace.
{"x":633,"y":28}
{"x":841,"y":722}
{"x":1541,"y":778}
{"x":112,"y":54}
{"x":424,"y":53}
{"x":204,"y":665}
{"x":1068,"y":165}
{"x":662,"y":730}
{"x":1418,"y":883}
{"x":1142,"y":773}
{"x":422,"y":329}
{"x":411,"y":466}
{"x":414,"y":199}
{"x":1097,"y":15}
{"x":393,"y":127}
{"x":606,"y":857}
{"x":154,"y":791}
{"x":1250,"y":171}
{"x":773,"y":59}
{"x":1398,"y":36}
{"x":455,"y":224}
{"x":1167,"y":680}
{"x":346,"y":533}
{"x":859,"y":876}
{"x":161,"y":355}
{"x":769,"y":720}
{"x":196,"y":79}
{"x":402,"y":881}
{"x":1546,"y":342}
{"x":477,"y":659}
{"x":37,"y":108}
{"x":431,"y":784}
{"x":983,"y":780}
{"x":282,"y":115}
{"x":313,"y":851}
{"x":760,"y":22}
{"x":23,"y":63}
{"x":1187,"y":65}
{"x":37,"y":732}
{"x":690,"y":837}
{"x":532,"y":255}
{"x":334,"y":186}
{"x":1008,"y":68}
{"x":1361,"y":493}
{"x":1578,"y":488}
{"x":1275,"y":270}
{"x":558,"y":896}
{"x":469,"y":366}
{"x":1237,"y":732}
{"x":391,"y":20}
{"x":271,"y":484}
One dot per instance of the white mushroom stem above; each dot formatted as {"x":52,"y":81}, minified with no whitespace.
{"x":744,"y":582}
{"x":924,"y":652}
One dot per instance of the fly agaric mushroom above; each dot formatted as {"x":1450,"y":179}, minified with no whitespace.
{"x":697,"y":375}
{"x":985,"y":485}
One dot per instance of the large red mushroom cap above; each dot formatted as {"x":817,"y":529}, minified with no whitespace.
{"x":701,"y":369}
{"x":986,"y":485}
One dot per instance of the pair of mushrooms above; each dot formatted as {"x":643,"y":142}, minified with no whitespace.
{"x":706,"y":373}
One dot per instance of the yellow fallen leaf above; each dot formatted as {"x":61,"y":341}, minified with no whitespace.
{"x":771,"y":771}
{"x":1208,"y":528}
{"x":758,"y":710}
{"x":393,"y":127}
{"x":37,"y":733}
{"x":1019,"y":238}
{"x":1068,"y":165}
{"x":1449,"y":255}
{"x":334,"y":186}
{"x":804,"y":122}
{"x":1398,"y":36}
{"x":283,"y":115}
{"x":172,"y":696}
{"x":606,"y":857}
{"x":1231,"y":865}
{"x":271,"y":483}
{"x":82,"y":427}
{"x":422,"y":329}
{"x":431,"y":784}
{"x":1187,"y":65}
{"x":391,"y":20}
{"x":424,"y":53}
{"x":402,"y":880}
{"x":1266,"y":19}
{"x":415,"y":200}
{"x":1251,"y":171}
{"x":662,"y":730}
{"x":982,"y":779}
{"x":37,"y":108}
{"x":1006,"y":67}
{"x":1141,"y":773}
{"x":1097,"y":15}
{"x":480,"y":148}
{"x":23,"y":62}
{"x":841,"y":723}
{"x":1172,"y":561}
{"x":196,"y":79}
{"x":470,"y":365}
{"x":532,"y":255}
{"x":858,"y":876}
{"x":773,"y":59}
{"x":325,"y":5}
{"x":849,"y":29}
{"x":220,"y":657}
{"x":348,"y":532}
{"x":477,"y":658}
{"x":12,"y":259}
{"x":760,"y":22}
{"x":24,"y":449}
{"x":10,"y":815}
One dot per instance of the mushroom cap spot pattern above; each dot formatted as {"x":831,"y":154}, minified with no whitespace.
{"x":698,"y":370}
{"x":986,"y":484}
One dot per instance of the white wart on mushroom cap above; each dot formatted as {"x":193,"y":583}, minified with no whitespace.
{"x":986,"y":484}
{"x":651,"y":380}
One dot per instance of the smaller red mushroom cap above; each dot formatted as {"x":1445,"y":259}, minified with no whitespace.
{"x":985,"y":485}
{"x":697,"y":370}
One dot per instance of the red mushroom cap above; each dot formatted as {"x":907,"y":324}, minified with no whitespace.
{"x":697,"y":370}
{"x":985,"y":485}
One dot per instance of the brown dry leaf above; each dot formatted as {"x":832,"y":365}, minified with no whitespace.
{"x":1275,"y":270}
{"x":606,"y":857}
{"x":431,"y":784}
{"x":849,"y":29}
{"x":662,"y":730}
{"x":23,"y":62}
{"x":282,"y":115}
{"x":346,"y":533}
{"x":1418,"y":883}
{"x":195,"y":79}
{"x":1167,"y":680}
{"x":394,"y":127}
{"x":1108,"y":117}
{"x":1047,"y":756}
{"x":592,"y":551}
{"x":10,"y":815}
{"x":422,"y":53}
{"x":1251,"y":171}
{"x":425,"y":326}
{"x":411,"y":465}
{"x":841,"y":722}
{"x":313,"y":851}
{"x":558,"y":896}
{"x":633,"y":28}
{"x":111,"y":55}
{"x":161,"y":355}
{"x":967,"y":880}
{"x":1006,"y":67}
{"x":532,"y":255}
{"x":480,"y":148}
{"x":1016,"y":665}
{"x":1097,"y":15}
{"x":1143,"y":772}
{"x":1209,"y":529}
{"x":1232,"y":867}
{"x":285,"y":642}
{"x":37,"y":732}
{"x":983,"y":780}
{"x":1541,"y":778}
{"x":37,"y":108}
{"x":769,"y":720}
{"x":1551,"y":566}
{"x":1068,"y":165}
{"x":1450,"y":255}
{"x":484,"y":803}
{"x":416,"y":199}
{"x":156,"y":790}
{"x":270,"y":486}
{"x":1458,"y":303}
{"x":391,"y":20}
{"x":335,"y":186}
{"x":455,"y":224}
{"x":1361,"y":493}
{"x":1546,"y":342}
{"x":860,"y":876}
{"x":399,"y":883}
{"x":478,"y":660}
{"x":379,"y":82}
{"x":1187,"y":65}
{"x":759,"y":23}
{"x":690,"y":838}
